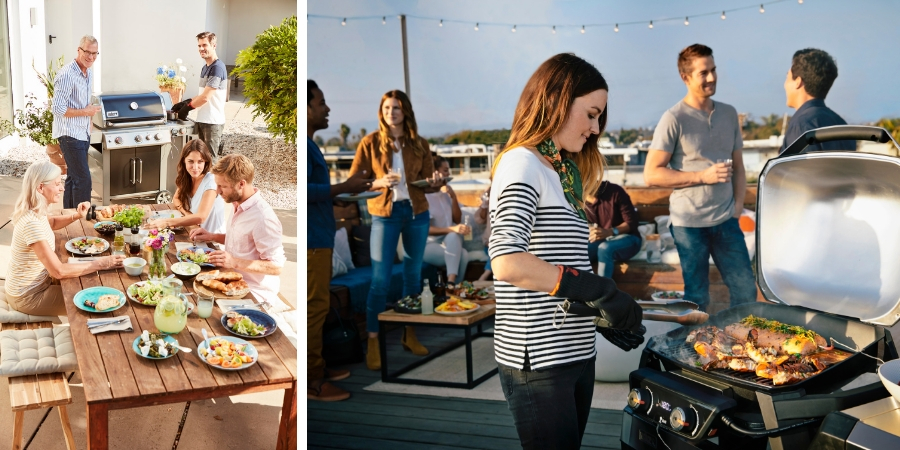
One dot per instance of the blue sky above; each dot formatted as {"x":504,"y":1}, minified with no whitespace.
{"x":463,"y":79}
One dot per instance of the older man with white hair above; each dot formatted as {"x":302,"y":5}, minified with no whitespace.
{"x":72,"y":111}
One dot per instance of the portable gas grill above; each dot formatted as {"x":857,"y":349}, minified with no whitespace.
{"x":135,"y":150}
{"x":827,"y":250}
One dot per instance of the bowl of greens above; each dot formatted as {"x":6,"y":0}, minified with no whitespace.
{"x":131,"y":216}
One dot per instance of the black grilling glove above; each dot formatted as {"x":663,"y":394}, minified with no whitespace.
{"x":626,"y":340}
{"x":184,"y":109}
{"x":593,"y":295}
{"x":178,"y":105}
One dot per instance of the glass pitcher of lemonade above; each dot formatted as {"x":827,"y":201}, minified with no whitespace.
{"x":171,"y":312}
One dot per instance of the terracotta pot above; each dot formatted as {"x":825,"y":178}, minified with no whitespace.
{"x":175,"y":93}
{"x":56,"y":157}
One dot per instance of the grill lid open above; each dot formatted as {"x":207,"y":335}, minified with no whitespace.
{"x":828,"y":233}
{"x":132,"y":108}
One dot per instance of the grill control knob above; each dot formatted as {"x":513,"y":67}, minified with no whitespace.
{"x":119,"y":140}
{"x":138,"y":138}
{"x":639,"y":399}
{"x":156,"y":136}
{"x":681,"y":419}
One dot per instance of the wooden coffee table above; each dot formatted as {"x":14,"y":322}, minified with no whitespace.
{"x":465,"y":322}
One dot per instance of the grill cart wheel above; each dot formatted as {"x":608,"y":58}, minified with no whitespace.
{"x":163,"y":197}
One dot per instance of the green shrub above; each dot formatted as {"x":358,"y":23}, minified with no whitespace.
{"x":269,"y":70}
{"x":35,"y":122}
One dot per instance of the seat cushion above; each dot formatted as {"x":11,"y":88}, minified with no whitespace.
{"x":10,"y":315}
{"x":33,"y":352}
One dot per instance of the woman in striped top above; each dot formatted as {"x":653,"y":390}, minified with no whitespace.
{"x":538,"y":251}
{"x":32,"y":285}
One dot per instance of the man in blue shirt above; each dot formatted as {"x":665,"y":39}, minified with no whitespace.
{"x":808,"y":81}
{"x":319,"y":247}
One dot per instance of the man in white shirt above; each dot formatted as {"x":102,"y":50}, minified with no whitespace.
{"x":210,"y":102}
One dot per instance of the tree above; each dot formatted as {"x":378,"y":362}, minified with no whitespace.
{"x":891,"y":125}
{"x":345,"y":131}
{"x":333,"y":141}
{"x":269,"y":70}
{"x":362,"y":133}
{"x":318,"y":140}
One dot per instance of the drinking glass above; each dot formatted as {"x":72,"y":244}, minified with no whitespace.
{"x":204,"y":304}
{"x":468,"y":223}
{"x":727,"y":162}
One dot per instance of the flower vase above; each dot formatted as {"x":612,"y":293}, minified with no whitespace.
{"x":157,"y":266}
{"x":174,"y":92}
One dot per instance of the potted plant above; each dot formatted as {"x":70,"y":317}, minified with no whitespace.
{"x":171,"y":79}
{"x":35,"y":121}
{"x":269,"y":70}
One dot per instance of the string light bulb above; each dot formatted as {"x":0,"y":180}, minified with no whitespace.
{"x":344,"y":22}
{"x":383,"y":20}
{"x":582,"y":29}
{"x":441,"y":23}
{"x":651,"y":25}
{"x":761,"y":9}
{"x":514,"y":29}
{"x":686,"y":22}
{"x":723,"y":15}
{"x":616,"y":29}
{"x":800,"y":1}
{"x":476,"y":26}
{"x":554,"y":29}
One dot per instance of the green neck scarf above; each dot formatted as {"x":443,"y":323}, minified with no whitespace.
{"x":569,"y":176}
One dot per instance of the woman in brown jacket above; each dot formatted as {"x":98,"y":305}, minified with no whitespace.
{"x":397,"y":157}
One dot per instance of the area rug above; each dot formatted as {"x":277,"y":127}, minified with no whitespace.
{"x":452,"y":367}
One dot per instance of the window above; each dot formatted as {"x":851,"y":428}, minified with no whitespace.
{"x":6,"y":99}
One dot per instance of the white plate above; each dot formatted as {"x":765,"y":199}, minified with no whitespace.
{"x":360,"y":196}
{"x":656,"y":296}
{"x":424,"y":183}
{"x":250,"y":350}
{"x":458,"y":313}
{"x":165,"y":214}
{"x":70,"y":246}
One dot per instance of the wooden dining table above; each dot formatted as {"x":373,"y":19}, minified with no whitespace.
{"x":116,"y":377}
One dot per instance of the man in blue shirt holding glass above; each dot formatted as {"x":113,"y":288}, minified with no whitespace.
{"x":808,"y":81}
{"x":319,"y":247}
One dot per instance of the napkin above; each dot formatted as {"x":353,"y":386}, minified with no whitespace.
{"x":75,"y":260}
{"x":121,"y":326}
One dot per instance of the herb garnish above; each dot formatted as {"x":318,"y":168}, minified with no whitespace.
{"x":774,"y":325}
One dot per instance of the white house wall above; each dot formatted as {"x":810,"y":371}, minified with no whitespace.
{"x":217,"y":12}
{"x":248,"y":18}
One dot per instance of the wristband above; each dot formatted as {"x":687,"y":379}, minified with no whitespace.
{"x":558,"y":280}
{"x":615,"y":231}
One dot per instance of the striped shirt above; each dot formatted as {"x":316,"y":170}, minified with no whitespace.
{"x":72,"y":90}
{"x":215,"y":76}
{"x":529,"y":213}
{"x":25,"y":269}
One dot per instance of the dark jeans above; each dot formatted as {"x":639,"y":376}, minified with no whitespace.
{"x":550,"y":407}
{"x":386,"y":232}
{"x":78,"y":179}
{"x":616,"y":248}
{"x":725,"y":242}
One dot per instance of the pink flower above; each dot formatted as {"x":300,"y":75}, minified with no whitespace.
{"x":156,"y":244}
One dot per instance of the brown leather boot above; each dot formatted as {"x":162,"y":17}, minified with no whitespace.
{"x":326,"y":392}
{"x":373,"y":356}
{"x":411,"y":343}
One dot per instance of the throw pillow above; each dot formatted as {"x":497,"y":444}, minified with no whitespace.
{"x":360,"y":247}
{"x":338,"y":267}
{"x":342,"y":248}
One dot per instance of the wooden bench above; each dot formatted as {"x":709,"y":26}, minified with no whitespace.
{"x":29,"y":392}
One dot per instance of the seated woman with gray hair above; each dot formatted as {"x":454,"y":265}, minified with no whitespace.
{"x":32,"y":283}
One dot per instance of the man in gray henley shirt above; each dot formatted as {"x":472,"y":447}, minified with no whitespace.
{"x":696,"y":150}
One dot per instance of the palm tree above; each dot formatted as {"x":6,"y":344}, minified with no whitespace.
{"x":345,"y":131}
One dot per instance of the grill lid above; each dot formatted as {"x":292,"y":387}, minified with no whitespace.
{"x":828,"y":228}
{"x":132,"y":108}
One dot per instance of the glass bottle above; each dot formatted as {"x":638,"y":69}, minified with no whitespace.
{"x":440,"y":290}
{"x":119,"y":241}
{"x":427,"y":300}
{"x":134,"y":244}
{"x":468,"y":223}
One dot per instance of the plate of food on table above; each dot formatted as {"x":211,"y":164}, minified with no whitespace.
{"x":146,"y":293}
{"x":667,"y":295}
{"x":248,"y":323}
{"x":105,"y":228}
{"x":127,"y":215}
{"x":468,"y":290}
{"x":87,"y":245}
{"x":221,"y":284}
{"x":196,"y":255}
{"x":409,"y":305}
{"x":99,"y":299}
{"x":227,"y":353}
{"x":456,"y":306}
{"x":155,"y":346}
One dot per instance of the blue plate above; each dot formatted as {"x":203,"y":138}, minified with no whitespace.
{"x":249,"y":350}
{"x":194,"y":249}
{"x":93,"y":294}
{"x":166,"y":338}
{"x":257,"y":317}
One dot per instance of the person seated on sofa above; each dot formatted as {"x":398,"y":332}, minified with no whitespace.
{"x":613,"y":226}
{"x":482,"y":217}
{"x":32,"y":283}
{"x":445,"y":232}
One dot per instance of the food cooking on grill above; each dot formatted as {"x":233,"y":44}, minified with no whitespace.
{"x":781,"y":352}
{"x":455,"y":304}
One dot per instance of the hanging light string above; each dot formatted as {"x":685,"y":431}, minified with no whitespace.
{"x":439,"y":21}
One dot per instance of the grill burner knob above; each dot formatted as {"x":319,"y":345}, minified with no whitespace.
{"x":119,"y":140}
{"x":156,"y":136}
{"x":138,"y":138}
{"x":680,"y":419}
{"x":639,"y":399}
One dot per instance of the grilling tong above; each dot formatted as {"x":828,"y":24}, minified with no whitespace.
{"x":678,"y":311}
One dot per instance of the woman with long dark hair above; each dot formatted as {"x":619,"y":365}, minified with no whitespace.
{"x":396,"y":156}
{"x":195,"y":192}
{"x":538,"y":250}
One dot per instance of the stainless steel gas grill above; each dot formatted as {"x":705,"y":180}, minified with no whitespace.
{"x":827,"y":246}
{"x":135,"y":150}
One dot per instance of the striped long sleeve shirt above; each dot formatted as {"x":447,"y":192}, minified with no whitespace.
{"x":529,"y":213}
{"x":72,"y":89}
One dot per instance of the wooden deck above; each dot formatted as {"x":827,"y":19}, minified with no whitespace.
{"x":376,"y":420}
